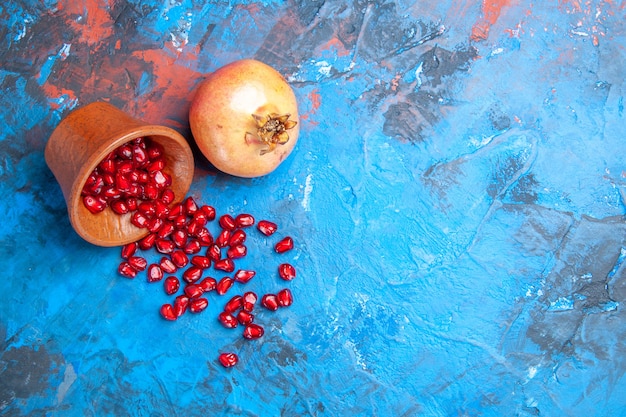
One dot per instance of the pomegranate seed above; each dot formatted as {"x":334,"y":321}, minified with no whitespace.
{"x":227,"y":222}
{"x":209,"y":212}
{"x":150,"y":192}
{"x":224,"y":285}
{"x":244,"y":220}
{"x":175,"y":211}
{"x":161,"y":210}
{"x":154,"y":150}
{"x":245,"y":317}
{"x":93,"y":185}
{"x":124,"y":167}
{"x":226,"y":265}
{"x":270,"y":301}
{"x":234,"y":304}
{"x":155,"y":273}
{"x":139,"y":219}
{"x":237,"y":238}
{"x":132,"y":203}
{"x":179,"y":258}
{"x":107,"y":165}
{"x":160,"y":180}
{"x":147,"y":242}
{"x":94,"y":204}
{"x":286,"y":271}
{"x":253,"y":331}
{"x":164,"y":246}
{"x":228,"y":320}
{"x":167,"y":311}
{"x":138,"y":263}
{"x":201,"y":261}
{"x":223,"y":238}
{"x":171,"y":285}
{"x":167,"y":197}
{"x":284,"y":245}
{"x":126,"y":270}
{"x":147,"y":208}
{"x":166,"y":230}
{"x":196,"y":305}
{"x":194,"y":227}
{"x":214,"y":253}
{"x":266,"y":227}
{"x":119,"y":206}
{"x":193,"y":246}
{"x":228,"y":359}
{"x":180,"y":305}
{"x":167,"y":265}
{"x":284,"y":298}
{"x":235,"y":252}
{"x":139,"y":155}
{"x":122,"y":182}
{"x":244,"y":275}
{"x":205,"y":237}
{"x":129,"y":250}
{"x":190,"y":206}
{"x":154,"y":224}
{"x":125,"y":151}
{"x":248,"y":301}
{"x":192,"y":274}
{"x":193,"y":291}
{"x":200,"y":218}
{"x":179,"y":237}
{"x":110,"y":193}
{"x":208,"y":284}
{"x":156,"y":165}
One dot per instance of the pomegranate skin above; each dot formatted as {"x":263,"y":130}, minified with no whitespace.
{"x":220,"y":117}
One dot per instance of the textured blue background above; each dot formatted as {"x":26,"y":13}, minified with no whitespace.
{"x":457,"y":199}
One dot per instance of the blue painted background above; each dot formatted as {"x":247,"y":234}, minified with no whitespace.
{"x":457,"y":199}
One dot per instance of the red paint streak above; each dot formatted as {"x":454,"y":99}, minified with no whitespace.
{"x":316,"y":101}
{"x":334,"y":44}
{"x":92,"y":19}
{"x":491,"y":12}
{"x":55,"y":93}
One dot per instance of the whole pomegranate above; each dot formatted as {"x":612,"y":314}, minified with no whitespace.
{"x":244,"y":118}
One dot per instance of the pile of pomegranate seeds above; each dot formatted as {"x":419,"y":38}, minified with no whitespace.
{"x":131,"y":180}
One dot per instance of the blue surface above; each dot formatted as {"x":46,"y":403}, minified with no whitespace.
{"x":457,"y":199}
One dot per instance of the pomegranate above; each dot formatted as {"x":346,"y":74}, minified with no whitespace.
{"x":244,"y":118}
{"x":228,"y":359}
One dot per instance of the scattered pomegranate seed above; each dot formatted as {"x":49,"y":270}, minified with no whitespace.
{"x":193,"y":291}
{"x":155,"y":273}
{"x":270,"y":301}
{"x":196,"y":305}
{"x":190,"y":206}
{"x":171,"y":285}
{"x":94,"y":204}
{"x":222,"y":239}
{"x":181,"y":303}
{"x":167,"y":265}
{"x":164,"y":246}
{"x":237,"y":238}
{"x":166,"y":230}
{"x":139,"y":219}
{"x":266,"y":227}
{"x":179,"y":258}
{"x":147,"y":242}
{"x":284,"y":245}
{"x":193,"y":246}
{"x":244,"y":275}
{"x":284,"y":298}
{"x":201,"y":261}
{"x":286,"y":271}
{"x":228,"y":360}
{"x":179,"y":237}
{"x":209,"y":212}
{"x":214,"y":253}
{"x":226,"y":265}
{"x":119,"y":206}
{"x":245,"y":317}
{"x":138,"y":263}
{"x":234,"y":304}
{"x":244,"y":220}
{"x":248,"y":301}
{"x":126,"y":270}
{"x":129,"y":250}
{"x":167,"y":196}
{"x":192,"y":274}
{"x":224,"y":285}
{"x":228,"y":320}
{"x":208,"y":284}
{"x":253,"y":331}
{"x":168,"y":313}
{"x":236,"y":252}
{"x":227,"y":222}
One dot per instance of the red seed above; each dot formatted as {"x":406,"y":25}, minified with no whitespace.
{"x":266,"y":227}
{"x":181,"y":303}
{"x":192,"y":274}
{"x":284,"y":298}
{"x":286,"y":271}
{"x":179,"y":237}
{"x":200,"y":218}
{"x":245,"y":317}
{"x":248,"y":301}
{"x":94,"y":204}
{"x":107,"y":165}
{"x":125,"y":151}
{"x":205,"y":237}
{"x":155,"y":273}
{"x":154,"y":224}
{"x":167,"y":196}
{"x":129,"y":250}
{"x":228,"y":359}
{"x":193,"y":246}
{"x":147,"y":208}
{"x":161,"y":180}
{"x":209,"y":212}
{"x":253,"y":331}
{"x":194,"y":227}
{"x":171,"y":285}
{"x":222,"y":239}
{"x":237,"y":238}
{"x":147,"y":242}
{"x":166,"y":230}
{"x":201,"y":261}
{"x":244,"y":220}
{"x":270,"y":301}
{"x":138,"y":263}
{"x":126,"y":270}
{"x":167,"y":311}
{"x":284,"y":245}
{"x":161,"y":210}
{"x":156,"y":165}
{"x":167,"y":265}
{"x":196,"y":305}
{"x":132,"y":203}
{"x":214,"y":253}
{"x":208,"y":284}
{"x":193,"y":291}
{"x":244,"y":275}
{"x":226,"y":265}
{"x":139,"y":155}
{"x":139,"y":219}
{"x":228,"y":320}
{"x":233,"y":304}
{"x":236,"y":252}
{"x":227,"y":222}
{"x":175,"y":211}
{"x":164,"y":245}
{"x":224,"y":285}
{"x":190,"y":206}
{"x":154,"y":150}
{"x":179,"y":258}
{"x":119,"y":206}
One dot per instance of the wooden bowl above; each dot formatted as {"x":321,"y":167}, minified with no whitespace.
{"x":82,"y":140}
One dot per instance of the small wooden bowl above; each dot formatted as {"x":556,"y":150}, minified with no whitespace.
{"x":82,"y":140}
